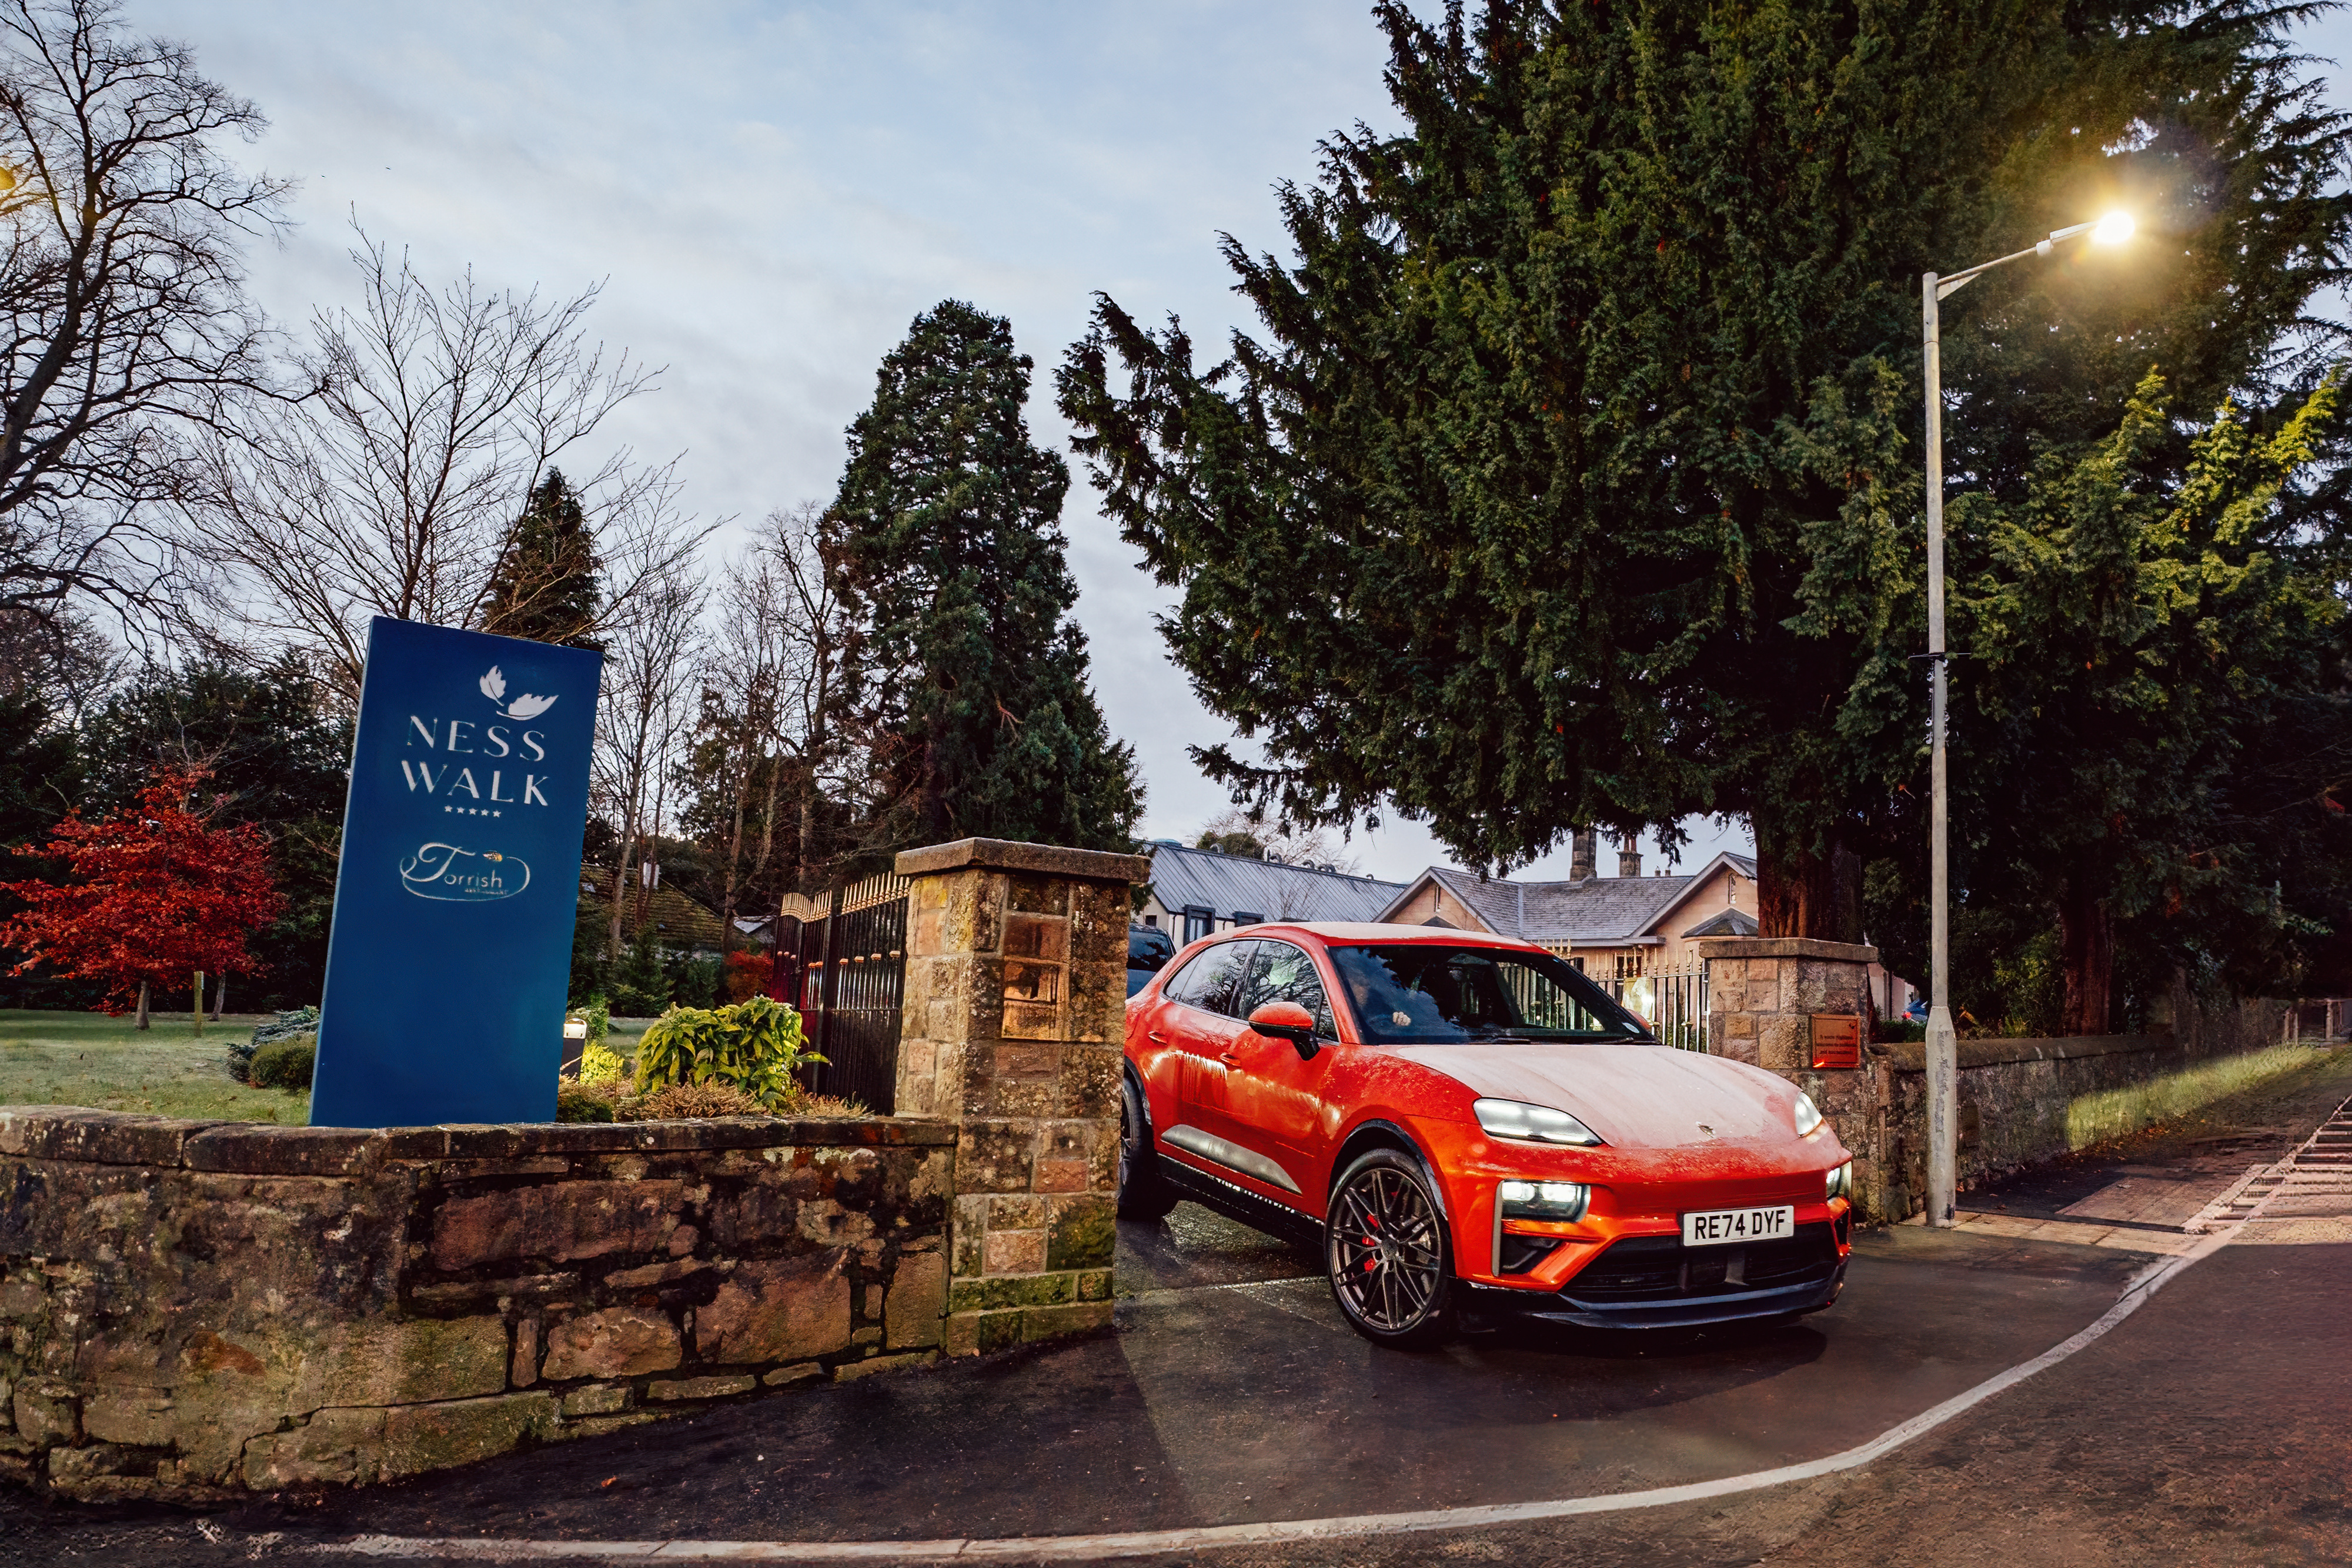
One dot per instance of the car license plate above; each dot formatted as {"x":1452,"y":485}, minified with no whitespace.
{"x":1722,"y":1226}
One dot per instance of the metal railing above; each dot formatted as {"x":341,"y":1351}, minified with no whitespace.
{"x":1673,"y":1002}
{"x":842,"y":957}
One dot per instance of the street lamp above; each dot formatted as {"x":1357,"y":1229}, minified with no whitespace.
{"x":1942,"y":1043}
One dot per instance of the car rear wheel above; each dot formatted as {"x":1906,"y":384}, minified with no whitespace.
{"x":1143,"y":1192}
{"x":1385,"y":1251}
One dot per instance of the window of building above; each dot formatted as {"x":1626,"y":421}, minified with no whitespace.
{"x":1199,"y":921}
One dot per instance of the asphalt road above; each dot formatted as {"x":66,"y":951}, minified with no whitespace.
{"x":2208,"y":1428}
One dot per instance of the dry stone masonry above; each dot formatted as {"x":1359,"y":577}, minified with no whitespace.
{"x":1772,"y":1000}
{"x":1016,"y":1015}
{"x":189,"y":1309}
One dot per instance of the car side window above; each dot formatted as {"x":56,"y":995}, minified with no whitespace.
{"x":1282,"y":973}
{"x":1207,"y":982}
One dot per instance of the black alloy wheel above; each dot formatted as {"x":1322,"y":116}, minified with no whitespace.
{"x":1386,"y":1251}
{"x":1143,"y":1192}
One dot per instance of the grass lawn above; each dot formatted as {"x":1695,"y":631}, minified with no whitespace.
{"x":88,"y":1059}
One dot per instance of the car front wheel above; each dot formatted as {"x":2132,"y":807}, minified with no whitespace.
{"x":1143,"y":1192}
{"x":1386,"y":1253}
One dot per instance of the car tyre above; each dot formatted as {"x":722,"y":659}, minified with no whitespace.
{"x":1144,"y":1192}
{"x":1387,"y":1255}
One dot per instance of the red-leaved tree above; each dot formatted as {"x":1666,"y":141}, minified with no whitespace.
{"x":153,"y":894}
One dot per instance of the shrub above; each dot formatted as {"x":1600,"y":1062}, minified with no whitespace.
{"x":748,"y":975}
{"x":696,"y":1103}
{"x":599,"y":1014}
{"x":286,"y":1025}
{"x":755,"y":1046}
{"x":697,"y":982}
{"x":640,"y":985}
{"x":285,"y":1063}
{"x":601,"y":1064}
{"x":583,"y":1102}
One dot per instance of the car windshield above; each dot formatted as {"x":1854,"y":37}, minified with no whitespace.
{"x":1428,"y":993}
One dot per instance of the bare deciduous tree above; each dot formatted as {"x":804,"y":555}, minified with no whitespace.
{"x":395,"y":489}
{"x":122,"y":291}
{"x":643,"y":713}
{"x":1235,"y":831}
{"x":771,"y":736}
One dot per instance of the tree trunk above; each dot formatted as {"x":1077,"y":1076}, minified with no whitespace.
{"x":220,"y":998}
{"x":196,"y":1002}
{"x":2087,"y":947}
{"x":142,"y":1003}
{"x":1801,"y":892}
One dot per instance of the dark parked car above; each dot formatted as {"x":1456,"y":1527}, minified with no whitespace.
{"x":1148,"y":948}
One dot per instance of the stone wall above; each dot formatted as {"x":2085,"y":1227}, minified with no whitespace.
{"x":1764,"y":994}
{"x":188,"y":1309}
{"x":1016,"y":1016}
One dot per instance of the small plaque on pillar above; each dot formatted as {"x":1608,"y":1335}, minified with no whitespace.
{"x":1837,"y":1041}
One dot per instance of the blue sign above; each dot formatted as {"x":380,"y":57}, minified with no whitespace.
{"x":459,"y":882}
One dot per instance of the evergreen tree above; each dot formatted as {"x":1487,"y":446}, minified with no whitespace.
{"x":2147,"y":634}
{"x":1575,"y":480}
{"x":947,"y":540}
{"x":546,"y":586}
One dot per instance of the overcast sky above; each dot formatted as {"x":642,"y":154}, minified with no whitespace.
{"x":771,"y":193}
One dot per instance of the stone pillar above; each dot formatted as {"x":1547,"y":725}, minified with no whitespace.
{"x":1584,"y":859}
{"x":1015,"y":1018}
{"x":1784,"y":1002}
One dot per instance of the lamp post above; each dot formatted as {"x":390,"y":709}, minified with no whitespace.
{"x":1943,"y":1042}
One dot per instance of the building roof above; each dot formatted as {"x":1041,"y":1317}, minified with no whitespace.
{"x":672,"y":918}
{"x":1595,"y":911}
{"x":1232,"y":884}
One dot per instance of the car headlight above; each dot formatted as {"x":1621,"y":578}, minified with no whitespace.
{"x":1841,"y":1181}
{"x":1809,"y":1115}
{"x":1543,"y":1200}
{"x":1535,"y":1123}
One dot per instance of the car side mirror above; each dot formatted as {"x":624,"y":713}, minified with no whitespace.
{"x":1288,"y":1021}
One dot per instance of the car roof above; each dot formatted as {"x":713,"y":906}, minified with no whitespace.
{"x":1348,"y":932}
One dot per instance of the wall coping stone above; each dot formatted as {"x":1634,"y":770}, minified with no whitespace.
{"x":1735,"y":948}
{"x":1911,"y":1055}
{"x":1042,"y":860}
{"x":261,"y":1148}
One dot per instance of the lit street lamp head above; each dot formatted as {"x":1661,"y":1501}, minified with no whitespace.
{"x":2112,"y":229}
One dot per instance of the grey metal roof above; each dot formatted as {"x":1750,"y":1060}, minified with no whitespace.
{"x":1268,"y":889}
{"x":1596,"y":911}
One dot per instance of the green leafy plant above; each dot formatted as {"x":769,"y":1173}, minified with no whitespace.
{"x":584,"y":1102}
{"x":599,"y":1014}
{"x":285,"y":1063}
{"x":601,"y":1064}
{"x":754,"y":1045}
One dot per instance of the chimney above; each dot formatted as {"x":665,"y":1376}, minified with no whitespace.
{"x":1629,"y":855}
{"x":1584,"y":861}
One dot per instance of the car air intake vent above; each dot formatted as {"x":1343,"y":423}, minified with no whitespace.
{"x":1522,"y":1253}
{"x":1660,"y":1268}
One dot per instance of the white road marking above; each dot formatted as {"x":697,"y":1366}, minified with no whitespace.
{"x":1143,"y":1542}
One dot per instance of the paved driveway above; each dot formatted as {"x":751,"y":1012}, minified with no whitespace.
{"x":1231,"y":1392}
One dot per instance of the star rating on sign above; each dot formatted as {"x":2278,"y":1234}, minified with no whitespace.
{"x":472,"y":811}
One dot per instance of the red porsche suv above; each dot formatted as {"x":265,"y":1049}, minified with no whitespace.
{"x":1465,"y":1123}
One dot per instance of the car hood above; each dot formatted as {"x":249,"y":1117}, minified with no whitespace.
{"x":1633,"y":1096}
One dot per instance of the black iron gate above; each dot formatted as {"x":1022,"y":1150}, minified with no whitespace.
{"x":842,"y":960}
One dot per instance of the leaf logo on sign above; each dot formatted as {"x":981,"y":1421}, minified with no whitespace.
{"x":447,"y":874}
{"x":494,"y":686}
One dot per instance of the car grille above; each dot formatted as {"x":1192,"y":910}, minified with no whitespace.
{"x":1660,"y":1268}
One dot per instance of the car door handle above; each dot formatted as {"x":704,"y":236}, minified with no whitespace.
{"x":1157,"y":1038}
{"x":1228,"y":1058}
